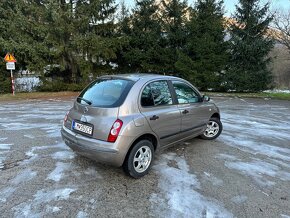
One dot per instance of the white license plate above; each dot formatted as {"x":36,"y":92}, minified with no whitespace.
{"x":82,"y":128}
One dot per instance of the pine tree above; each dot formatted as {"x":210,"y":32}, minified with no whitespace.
{"x":124,"y":33}
{"x":98,"y":41}
{"x":146,"y":52}
{"x":175,"y":17}
{"x":250,"y":46}
{"x":206,"y":46}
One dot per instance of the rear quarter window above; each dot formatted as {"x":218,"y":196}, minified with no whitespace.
{"x":106,"y":92}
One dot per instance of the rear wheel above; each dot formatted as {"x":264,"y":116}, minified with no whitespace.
{"x":139,"y":160}
{"x":213,"y":129}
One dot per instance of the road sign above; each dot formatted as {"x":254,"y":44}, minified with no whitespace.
{"x":10,"y":66}
{"x":9,"y":58}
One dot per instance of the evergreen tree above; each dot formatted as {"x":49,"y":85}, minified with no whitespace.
{"x":250,"y":46}
{"x":98,"y":41}
{"x":206,"y":46}
{"x":175,"y":15}
{"x":124,"y":33}
{"x":146,"y":52}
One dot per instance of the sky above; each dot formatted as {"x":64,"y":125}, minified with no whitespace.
{"x":230,"y":4}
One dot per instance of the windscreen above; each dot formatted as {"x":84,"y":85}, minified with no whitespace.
{"x":105,"y":92}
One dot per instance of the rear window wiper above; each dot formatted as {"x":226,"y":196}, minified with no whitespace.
{"x":85,"y":100}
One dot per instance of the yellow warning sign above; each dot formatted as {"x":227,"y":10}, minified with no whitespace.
{"x":9,"y":58}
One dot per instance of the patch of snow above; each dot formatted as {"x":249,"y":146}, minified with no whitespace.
{"x":178,"y":196}
{"x":29,"y":136}
{"x":255,"y":147}
{"x":277,"y":91}
{"x":3,"y":139}
{"x":258,"y":169}
{"x":50,"y":209}
{"x":239,"y":199}
{"x":226,"y":157}
{"x":91,"y":171}
{"x":24,"y":176}
{"x":5,"y":146}
{"x":285,"y":216}
{"x":214,"y":180}
{"x":63,"y":155}
{"x":44,"y":196}
{"x":58,"y":172}
{"x":6,"y":193}
{"x":82,"y":214}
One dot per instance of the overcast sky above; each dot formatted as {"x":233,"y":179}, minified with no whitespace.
{"x":230,"y":4}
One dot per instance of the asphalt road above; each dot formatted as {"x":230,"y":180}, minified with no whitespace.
{"x":243,"y":173}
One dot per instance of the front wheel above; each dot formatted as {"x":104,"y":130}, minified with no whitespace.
{"x":213,"y":129}
{"x":139,"y":160}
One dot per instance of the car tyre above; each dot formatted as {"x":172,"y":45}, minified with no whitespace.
{"x":139,"y":159}
{"x":213,"y":130}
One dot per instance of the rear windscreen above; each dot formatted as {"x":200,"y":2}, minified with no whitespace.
{"x":105,"y":92}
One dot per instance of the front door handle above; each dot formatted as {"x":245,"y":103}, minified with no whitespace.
{"x":154,"y":117}
{"x":185,"y":111}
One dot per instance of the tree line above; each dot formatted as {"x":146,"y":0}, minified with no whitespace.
{"x":77,"y":39}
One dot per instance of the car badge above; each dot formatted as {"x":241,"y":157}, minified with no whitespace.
{"x":86,"y":109}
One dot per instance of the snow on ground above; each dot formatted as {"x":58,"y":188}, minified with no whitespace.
{"x":24,"y":176}
{"x":42,"y":197}
{"x":4,"y":149}
{"x":277,"y":91}
{"x":58,"y":172}
{"x":266,"y":139}
{"x":180,"y":192}
{"x":239,"y":199}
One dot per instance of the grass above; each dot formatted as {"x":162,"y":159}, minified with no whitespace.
{"x":280,"y":96}
{"x":48,"y":95}
{"x":36,"y":95}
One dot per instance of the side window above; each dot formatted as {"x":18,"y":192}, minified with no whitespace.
{"x":156,"y":94}
{"x":146,"y":97}
{"x":185,"y":94}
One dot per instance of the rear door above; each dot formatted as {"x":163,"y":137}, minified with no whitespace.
{"x":163,"y":116}
{"x":193,"y":112}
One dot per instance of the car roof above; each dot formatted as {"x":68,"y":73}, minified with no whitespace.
{"x":137,"y":76}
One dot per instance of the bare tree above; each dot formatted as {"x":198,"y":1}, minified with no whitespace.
{"x":281,"y":23}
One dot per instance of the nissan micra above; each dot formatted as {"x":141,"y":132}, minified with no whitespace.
{"x":125,"y":119}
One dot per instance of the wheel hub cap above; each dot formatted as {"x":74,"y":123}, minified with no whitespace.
{"x":212,"y":129}
{"x":142,"y":159}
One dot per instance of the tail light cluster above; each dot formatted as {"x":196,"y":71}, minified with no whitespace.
{"x":115,"y":130}
{"x":65,"y":117}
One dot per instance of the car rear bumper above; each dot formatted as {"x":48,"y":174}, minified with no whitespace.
{"x":97,"y":150}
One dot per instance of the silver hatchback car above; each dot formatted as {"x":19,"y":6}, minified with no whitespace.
{"x":125,"y":119}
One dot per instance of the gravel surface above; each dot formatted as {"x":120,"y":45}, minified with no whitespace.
{"x":243,"y":173}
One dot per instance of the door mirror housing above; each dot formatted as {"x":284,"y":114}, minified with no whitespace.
{"x":205,"y":98}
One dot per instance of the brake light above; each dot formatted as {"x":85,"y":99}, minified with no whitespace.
{"x":115,"y":130}
{"x":65,"y":117}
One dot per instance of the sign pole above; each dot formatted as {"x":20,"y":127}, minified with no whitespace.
{"x":10,"y":65}
{"x":12,"y":82}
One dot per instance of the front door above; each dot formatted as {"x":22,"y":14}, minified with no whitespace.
{"x":162,"y":115}
{"x":193,"y":116}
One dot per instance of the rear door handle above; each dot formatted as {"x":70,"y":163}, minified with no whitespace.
{"x":154,"y":117}
{"x":185,"y":111}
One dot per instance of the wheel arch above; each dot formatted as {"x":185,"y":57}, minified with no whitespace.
{"x":217,"y":115}
{"x":147,"y":136}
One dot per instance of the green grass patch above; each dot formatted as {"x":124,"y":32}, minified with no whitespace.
{"x":280,"y":96}
{"x":36,"y":95}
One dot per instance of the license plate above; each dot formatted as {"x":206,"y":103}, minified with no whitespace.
{"x":82,"y":128}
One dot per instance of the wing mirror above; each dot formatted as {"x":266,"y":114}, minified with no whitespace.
{"x":205,"y":98}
